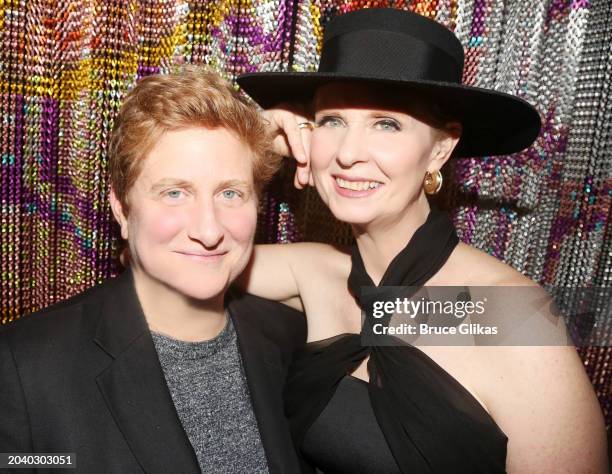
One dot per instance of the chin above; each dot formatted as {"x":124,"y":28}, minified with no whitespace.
{"x":202,"y":290}
{"x":351,"y":214}
{"x":198,"y":285}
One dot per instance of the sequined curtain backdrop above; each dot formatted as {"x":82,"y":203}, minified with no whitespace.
{"x":66,"y":65}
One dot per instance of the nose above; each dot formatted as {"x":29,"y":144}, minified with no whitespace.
{"x":205,"y":226}
{"x":351,"y":147}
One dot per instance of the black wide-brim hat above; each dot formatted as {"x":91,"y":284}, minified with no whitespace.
{"x":406,"y":50}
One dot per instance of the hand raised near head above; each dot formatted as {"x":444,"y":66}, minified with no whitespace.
{"x":291,"y":131}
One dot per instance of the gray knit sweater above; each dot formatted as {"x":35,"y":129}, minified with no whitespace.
{"x":210,"y":393}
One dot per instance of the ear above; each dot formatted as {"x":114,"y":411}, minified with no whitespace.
{"x":120,"y":217}
{"x":445,"y":144}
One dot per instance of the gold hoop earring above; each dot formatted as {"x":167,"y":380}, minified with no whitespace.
{"x":433,"y":182}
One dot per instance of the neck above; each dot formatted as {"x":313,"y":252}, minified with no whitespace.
{"x":380,"y":241}
{"x":176,"y":315}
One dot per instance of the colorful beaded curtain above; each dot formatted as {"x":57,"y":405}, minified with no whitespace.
{"x":66,"y":65}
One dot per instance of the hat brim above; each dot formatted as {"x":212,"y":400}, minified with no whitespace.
{"x":494,"y":123}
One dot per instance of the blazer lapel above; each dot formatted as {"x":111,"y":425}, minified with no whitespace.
{"x":134,"y":386}
{"x":265,"y":378}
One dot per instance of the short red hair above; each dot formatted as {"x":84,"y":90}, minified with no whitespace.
{"x":191,"y":97}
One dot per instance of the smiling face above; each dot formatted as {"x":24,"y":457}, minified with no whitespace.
{"x":192,"y":213}
{"x":368,"y":157}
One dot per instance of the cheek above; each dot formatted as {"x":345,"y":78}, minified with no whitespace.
{"x":159,"y":224}
{"x":401,"y":160}
{"x":240,"y":223}
{"x":322,"y":150}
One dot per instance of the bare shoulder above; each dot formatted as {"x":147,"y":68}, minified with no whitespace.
{"x":540,"y":396}
{"x":321,"y":272}
{"x":478,"y":268}
{"x":542,"y":400}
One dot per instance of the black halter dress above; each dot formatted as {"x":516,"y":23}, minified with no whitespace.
{"x":412,"y":417}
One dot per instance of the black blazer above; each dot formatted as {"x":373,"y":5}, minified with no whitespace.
{"x":83,"y":376}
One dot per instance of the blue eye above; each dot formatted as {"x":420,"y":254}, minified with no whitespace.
{"x":388,"y":124}
{"x":329,"y":121}
{"x":174,"y":193}
{"x":230,"y":194}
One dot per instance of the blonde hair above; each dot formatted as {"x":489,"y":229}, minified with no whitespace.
{"x":191,"y":97}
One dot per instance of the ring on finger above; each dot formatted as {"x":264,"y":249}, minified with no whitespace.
{"x":307,"y":125}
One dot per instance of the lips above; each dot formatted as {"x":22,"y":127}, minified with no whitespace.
{"x":202,"y":256}
{"x":355,"y":186}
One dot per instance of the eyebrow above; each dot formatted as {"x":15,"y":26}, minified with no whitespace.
{"x":329,"y":113}
{"x":371,"y":114}
{"x":235,"y":183}
{"x":181,"y":183}
{"x":164,"y":183}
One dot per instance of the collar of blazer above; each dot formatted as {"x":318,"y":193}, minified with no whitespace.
{"x":135,"y":390}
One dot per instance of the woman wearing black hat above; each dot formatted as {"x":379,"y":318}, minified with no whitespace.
{"x":389,"y":111}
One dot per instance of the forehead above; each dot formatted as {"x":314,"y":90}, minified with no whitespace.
{"x":198,"y":154}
